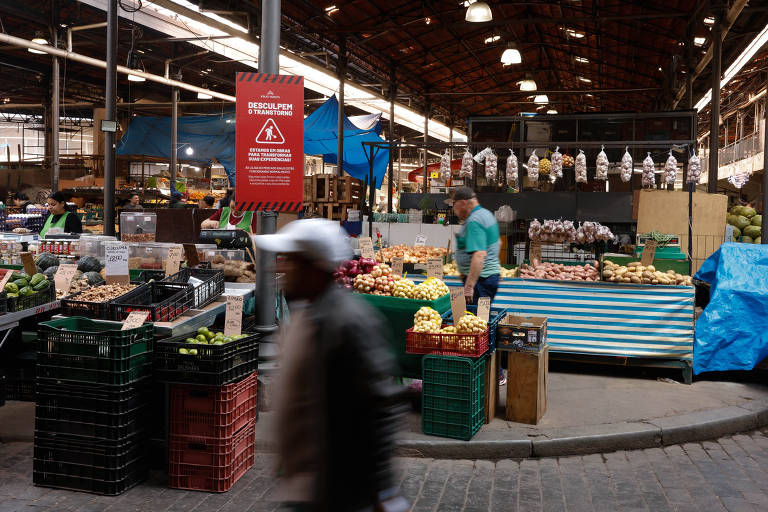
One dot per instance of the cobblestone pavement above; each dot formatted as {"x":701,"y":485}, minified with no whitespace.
{"x":730,"y":474}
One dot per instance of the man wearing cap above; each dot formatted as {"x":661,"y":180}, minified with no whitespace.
{"x":336,"y":406}
{"x":477,"y":246}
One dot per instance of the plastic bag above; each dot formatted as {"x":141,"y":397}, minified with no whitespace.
{"x":445,"y":166}
{"x":670,"y":170}
{"x":581,"y":167}
{"x":534,"y":230}
{"x":533,"y":167}
{"x":466,"y":165}
{"x":649,"y":169}
{"x":505,"y":214}
{"x":491,"y":166}
{"x":602,"y":163}
{"x":738,"y":180}
{"x":626,"y":166}
{"x":694,"y":169}
{"x":557,"y":164}
{"x":512,"y":169}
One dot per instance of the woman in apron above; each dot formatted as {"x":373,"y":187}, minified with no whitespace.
{"x":59,"y":217}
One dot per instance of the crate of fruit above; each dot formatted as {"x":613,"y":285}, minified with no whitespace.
{"x":78,"y":336}
{"x":96,"y":301}
{"x":207,"y":358}
{"x":468,"y":337}
{"x":495,"y":316}
{"x":163,"y":301}
{"x":206,"y":284}
{"x":25,"y":292}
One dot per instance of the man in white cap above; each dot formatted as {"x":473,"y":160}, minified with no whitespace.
{"x":336,"y":404}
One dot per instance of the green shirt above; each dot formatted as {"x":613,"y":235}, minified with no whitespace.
{"x":480,"y":232}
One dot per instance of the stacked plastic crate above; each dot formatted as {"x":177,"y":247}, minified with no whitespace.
{"x":92,"y":406}
{"x":212,"y":434}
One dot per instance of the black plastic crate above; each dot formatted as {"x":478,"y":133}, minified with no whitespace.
{"x":214,"y":365}
{"x":72,"y":368}
{"x":162,"y":300}
{"x":2,"y":389}
{"x":53,"y":447}
{"x":4,"y":301}
{"x":73,"y":477}
{"x":112,"y":399}
{"x":85,"y":423}
{"x":73,"y":306}
{"x":78,"y":336}
{"x":20,"y":382}
{"x":212,"y":284}
{"x":32,"y":301}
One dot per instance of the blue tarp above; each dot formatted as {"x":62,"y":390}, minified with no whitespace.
{"x":321,"y":138}
{"x":209,"y":137}
{"x":731,"y":334}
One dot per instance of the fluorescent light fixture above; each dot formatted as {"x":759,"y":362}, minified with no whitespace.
{"x":136,"y":78}
{"x":588,"y":95}
{"x":738,"y":64}
{"x":331,"y":9}
{"x":204,"y":96}
{"x":581,"y":60}
{"x":528,"y":84}
{"x":574,"y":33}
{"x":511,"y":56}
{"x":699,"y":41}
{"x":189,"y":150}
{"x":709,"y":20}
{"x":492,"y":39}
{"x":541,"y":99}
{"x":585,"y":80}
{"x":478,"y":12}
{"x":551,"y":111}
{"x":38,"y":39}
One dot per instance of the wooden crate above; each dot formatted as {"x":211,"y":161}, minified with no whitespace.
{"x":309,"y":183}
{"x":321,"y":190}
{"x":334,"y":211}
{"x":348,"y":190}
{"x":526,"y":385}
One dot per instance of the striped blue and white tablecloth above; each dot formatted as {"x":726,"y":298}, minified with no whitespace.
{"x":606,"y":318}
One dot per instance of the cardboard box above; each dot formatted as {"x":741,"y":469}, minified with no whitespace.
{"x":521,"y":333}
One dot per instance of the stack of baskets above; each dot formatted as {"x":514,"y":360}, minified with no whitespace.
{"x":92,"y":413}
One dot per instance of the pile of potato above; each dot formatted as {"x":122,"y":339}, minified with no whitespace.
{"x":560,"y":272}
{"x":636,"y":273}
{"x":410,"y":254}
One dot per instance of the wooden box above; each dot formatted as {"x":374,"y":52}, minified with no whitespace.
{"x":521,"y":333}
{"x":348,"y":190}
{"x":526,"y":385}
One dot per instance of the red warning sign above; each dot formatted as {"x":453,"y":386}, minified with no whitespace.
{"x":270,"y":133}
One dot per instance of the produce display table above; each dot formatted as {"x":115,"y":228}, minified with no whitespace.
{"x":639,"y":324}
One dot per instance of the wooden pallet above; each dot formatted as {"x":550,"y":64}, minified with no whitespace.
{"x":348,"y":190}
{"x":327,"y":188}
{"x":334,"y":211}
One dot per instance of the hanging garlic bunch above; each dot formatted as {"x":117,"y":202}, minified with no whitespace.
{"x":445,"y":166}
{"x":466,"y":165}
{"x":626,"y":166}
{"x":670,"y":170}
{"x":694,"y":170}
{"x":557,"y":164}
{"x":581,"y":167}
{"x":602,"y":163}
{"x":491,"y":166}
{"x":649,"y":168}
{"x":512,"y":169}
{"x":533,"y":167}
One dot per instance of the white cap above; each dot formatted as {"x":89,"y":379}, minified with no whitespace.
{"x":319,"y":240}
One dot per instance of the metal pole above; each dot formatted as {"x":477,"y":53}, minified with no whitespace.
{"x":392,"y":96}
{"x":764,"y":230}
{"x":269,"y":52}
{"x":427,"y":109}
{"x":110,"y":107}
{"x":55,"y":165}
{"x":371,"y":193}
{"x":174,"y":136}
{"x":341,"y":71}
{"x":714,"y":130}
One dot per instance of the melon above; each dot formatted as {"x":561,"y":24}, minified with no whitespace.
{"x":757,"y":220}
{"x":748,"y":211}
{"x":736,"y":233}
{"x":731,"y":219}
{"x":747,"y":240}
{"x":759,"y":240}
{"x":741,"y":222}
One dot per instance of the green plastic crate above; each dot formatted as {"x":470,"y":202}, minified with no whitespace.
{"x":398,"y":313}
{"x":79,"y":336}
{"x":453,"y":396}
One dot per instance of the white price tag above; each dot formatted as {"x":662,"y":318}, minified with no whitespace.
{"x":135,"y":319}
{"x":397,"y":265}
{"x":421,"y":241}
{"x":233,"y":320}
{"x":484,"y":308}
{"x":116,"y":262}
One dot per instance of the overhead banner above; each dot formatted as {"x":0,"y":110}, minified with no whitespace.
{"x":269,"y":142}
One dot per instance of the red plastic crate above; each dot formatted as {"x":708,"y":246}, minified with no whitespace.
{"x":208,"y":451}
{"x":238,"y":411}
{"x":446,"y":344}
{"x":211,"y":478}
{"x":213,"y":399}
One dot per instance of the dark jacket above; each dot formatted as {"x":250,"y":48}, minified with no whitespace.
{"x":358,"y":404}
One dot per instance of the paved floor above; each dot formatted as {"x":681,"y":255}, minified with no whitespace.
{"x":730,"y":474}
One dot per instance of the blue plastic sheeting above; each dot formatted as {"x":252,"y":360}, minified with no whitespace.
{"x":209,"y":137}
{"x":321,"y":138}
{"x":731,"y":334}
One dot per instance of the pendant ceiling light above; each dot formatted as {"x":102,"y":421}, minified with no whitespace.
{"x":478,"y":12}
{"x":135,"y":63}
{"x":39,"y":39}
{"x":202,"y":95}
{"x":529,"y":84}
{"x":541,"y":99}
{"x":511,"y":55}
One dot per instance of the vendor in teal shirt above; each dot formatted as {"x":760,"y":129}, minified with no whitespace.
{"x":477,"y":246}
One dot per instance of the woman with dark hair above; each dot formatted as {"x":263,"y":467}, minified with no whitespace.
{"x":207,"y":202}
{"x":21,"y":201}
{"x":59,"y":217}
{"x":228,"y":217}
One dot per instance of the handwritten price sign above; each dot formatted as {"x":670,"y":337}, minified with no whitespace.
{"x":116,"y":262}
{"x":233,"y":319}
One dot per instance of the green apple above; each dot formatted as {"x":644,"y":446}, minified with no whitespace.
{"x":193,"y":351}
{"x":183,"y":351}
{"x":202,"y":338}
